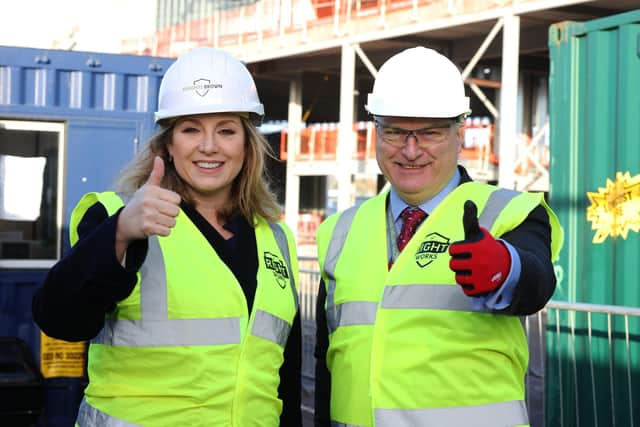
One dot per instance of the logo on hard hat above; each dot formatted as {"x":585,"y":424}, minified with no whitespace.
{"x":433,"y":245}
{"x":202,"y":86}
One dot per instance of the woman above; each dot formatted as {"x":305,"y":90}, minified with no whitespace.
{"x":183,"y":279}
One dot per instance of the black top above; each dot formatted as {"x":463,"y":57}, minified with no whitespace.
{"x":88,"y":282}
{"x":537,"y":282}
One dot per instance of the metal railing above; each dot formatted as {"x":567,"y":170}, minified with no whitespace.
{"x":594,"y":352}
{"x":309,"y":281}
{"x":269,"y":25}
{"x":584,"y":360}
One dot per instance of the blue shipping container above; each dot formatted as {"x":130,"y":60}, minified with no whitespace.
{"x":74,"y":118}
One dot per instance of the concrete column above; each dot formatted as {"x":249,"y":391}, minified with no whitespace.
{"x":345,"y":131}
{"x":509,"y":101}
{"x":292,"y":190}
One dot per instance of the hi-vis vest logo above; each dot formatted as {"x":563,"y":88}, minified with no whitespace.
{"x":275,"y":264}
{"x":202,"y":86}
{"x":431,"y":247}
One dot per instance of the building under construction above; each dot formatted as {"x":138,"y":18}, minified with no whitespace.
{"x":314,"y":62}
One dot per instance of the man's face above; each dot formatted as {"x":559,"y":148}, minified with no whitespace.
{"x":419,"y":164}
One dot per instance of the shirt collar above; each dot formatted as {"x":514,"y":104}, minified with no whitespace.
{"x":398,"y":205}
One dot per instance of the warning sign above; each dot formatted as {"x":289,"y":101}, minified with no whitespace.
{"x":61,"y":358}
{"x":615,"y":210}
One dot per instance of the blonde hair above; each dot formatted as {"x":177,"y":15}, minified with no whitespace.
{"x":250,"y":192}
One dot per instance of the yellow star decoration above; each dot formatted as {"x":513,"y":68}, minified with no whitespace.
{"x":616,"y":209}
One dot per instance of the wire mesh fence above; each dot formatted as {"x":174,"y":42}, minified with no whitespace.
{"x":592,"y":371}
{"x":584,"y":360}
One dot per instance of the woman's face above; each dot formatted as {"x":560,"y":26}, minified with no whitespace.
{"x":208,"y":153}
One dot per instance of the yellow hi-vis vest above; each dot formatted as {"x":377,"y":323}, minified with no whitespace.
{"x":406,"y":346}
{"x":183,"y":349}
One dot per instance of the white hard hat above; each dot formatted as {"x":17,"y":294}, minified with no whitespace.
{"x":207,"y":80}
{"x":418,"y":82}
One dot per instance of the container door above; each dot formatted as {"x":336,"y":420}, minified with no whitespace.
{"x":96,"y":152}
{"x":595,"y":189}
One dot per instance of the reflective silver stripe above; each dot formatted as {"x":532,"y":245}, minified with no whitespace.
{"x":271,"y":327}
{"x":495,"y":204}
{"x":283,"y":245}
{"x":412,"y":296}
{"x":174,"y":332}
{"x":337,"y":424}
{"x":155,"y":329}
{"x":153,"y":286}
{"x":336,"y":244}
{"x":88,"y":416}
{"x":505,"y":414}
{"x":355,"y":313}
{"x":154,"y":310}
{"x":338,"y":237}
{"x":434,"y":297}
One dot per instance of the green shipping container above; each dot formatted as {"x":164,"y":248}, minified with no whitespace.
{"x":593,"y":360}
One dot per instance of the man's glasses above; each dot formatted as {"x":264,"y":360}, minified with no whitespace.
{"x":425,"y":137}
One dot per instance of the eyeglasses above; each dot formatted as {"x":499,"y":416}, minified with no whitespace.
{"x":425,"y":137}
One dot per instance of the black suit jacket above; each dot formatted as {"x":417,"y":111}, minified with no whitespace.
{"x":537,"y":282}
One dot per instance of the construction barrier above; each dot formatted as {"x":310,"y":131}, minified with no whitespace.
{"x":320,"y":142}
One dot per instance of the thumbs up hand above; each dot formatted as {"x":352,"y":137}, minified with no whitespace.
{"x":151,"y":211}
{"x":481,"y":263}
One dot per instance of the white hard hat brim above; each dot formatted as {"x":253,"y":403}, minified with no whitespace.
{"x":381,"y":106}
{"x":257,"y":111}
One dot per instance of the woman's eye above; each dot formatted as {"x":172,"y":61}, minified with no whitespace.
{"x":227,"y":132}
{"x":189,"y":129}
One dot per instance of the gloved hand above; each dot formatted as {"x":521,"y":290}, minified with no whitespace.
{"x":481,"y":263}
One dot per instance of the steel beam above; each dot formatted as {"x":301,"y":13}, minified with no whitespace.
{"x":509,"y":101}
{"x":292,"y":188}
{"x":345,"y":130}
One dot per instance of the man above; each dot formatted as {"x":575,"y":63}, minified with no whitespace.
{"x":423,"y":330}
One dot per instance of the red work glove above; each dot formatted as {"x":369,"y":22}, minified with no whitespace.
{"x":481,"y":263}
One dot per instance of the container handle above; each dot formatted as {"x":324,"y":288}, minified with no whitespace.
{"x":42,"y":59}
{"x":154,"y":66}
{"x":93,"y":62}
